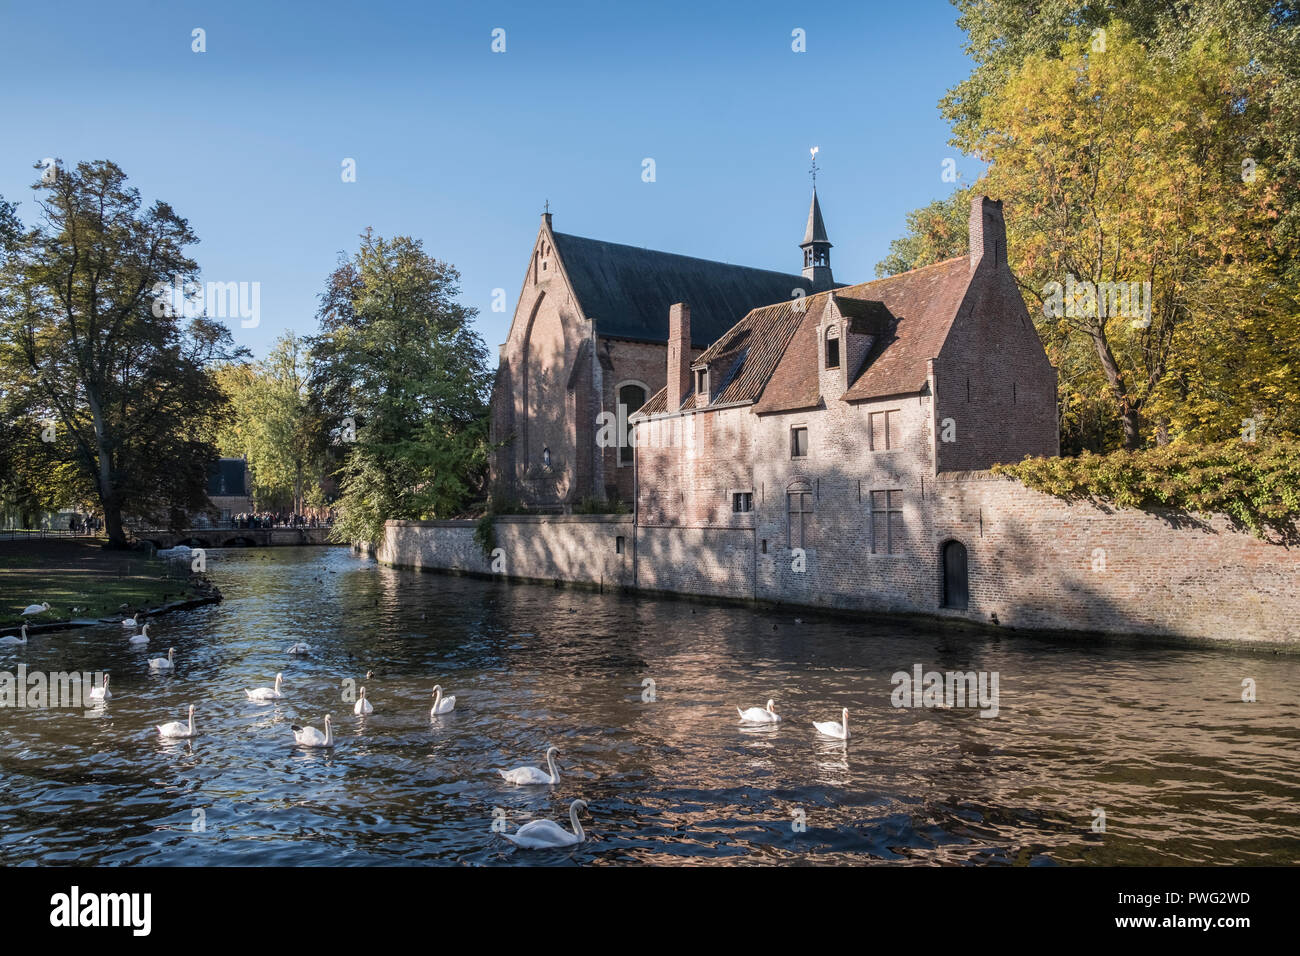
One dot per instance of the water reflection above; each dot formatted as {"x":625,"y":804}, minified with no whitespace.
{"x":1159,"y":739}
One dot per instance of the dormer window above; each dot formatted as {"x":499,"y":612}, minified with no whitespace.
{"x":833,"y":347}
{"x":701,"y":386}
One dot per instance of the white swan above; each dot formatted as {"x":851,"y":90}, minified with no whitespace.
{"x":311,"y":737}
{"x":129,"y":622}
{"x":141,"y":638}
{"x":262,"y":694}
{"x":442,"y":705}
{"x":526,"y":775}
{"x":164,"y":663}
{"x":544,"y":834}
{"x":302,"y":649}
{"x":760,"y":715}
{"x":100,"y":693}
{"x":10,"y":639}
{"x":36,"y":608}
{"x":362,"y":706}
{"x":177,"y":729}
{"x":830,"y":728}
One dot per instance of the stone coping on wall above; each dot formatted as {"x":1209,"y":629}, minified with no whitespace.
{"x":515,"y":519}
{"x":982,"y":475}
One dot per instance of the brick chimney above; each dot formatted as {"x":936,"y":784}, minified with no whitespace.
{"x":988,"y":232}
{"x":679,"y":354}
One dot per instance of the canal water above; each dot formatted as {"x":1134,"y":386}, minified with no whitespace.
{"x":1158,"y":740}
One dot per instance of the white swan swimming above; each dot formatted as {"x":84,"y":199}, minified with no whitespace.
{"x":311,"y":737}
{"x":302,"y":649}
{"x":10,"y":639}
{"x":129,"y":622}
{"x":760,"y":715}
{"x":442,"y":705}
{"x":527,"y":775}
{"x":362,"y":706}
{"x":164,"y":663}
{"x":141,"y":638}
{"x":830,"y":728}
{"x":36,"y":608}
{"x":101,"y":693}
{"x":545,"y":834}
{"x":177,"y":729}
{"x":263,"y":694}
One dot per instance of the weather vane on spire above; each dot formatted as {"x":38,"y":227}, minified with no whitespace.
{"x":814,"y":165}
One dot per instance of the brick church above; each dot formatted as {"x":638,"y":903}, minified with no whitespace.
{"x":811,"y":415}
{"x":589,"y":338}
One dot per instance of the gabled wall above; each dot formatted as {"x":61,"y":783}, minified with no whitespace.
{"x":1009,"y":409}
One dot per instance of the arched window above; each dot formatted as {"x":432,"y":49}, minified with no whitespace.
{"x":631,"y":396}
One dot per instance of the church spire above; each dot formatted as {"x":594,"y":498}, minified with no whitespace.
{"x":816,"y":249}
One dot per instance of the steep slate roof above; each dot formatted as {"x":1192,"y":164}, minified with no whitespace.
{"x":627,"y":290}
{"x":779,"y":372}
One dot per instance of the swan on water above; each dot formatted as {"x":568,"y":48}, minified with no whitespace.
{"x":302,"y":649}
{"x":311,"y":737}
{"x":830,"y":728}
{"x":362,"y":706}
{"x":442,"y":705}
{"x":760,"y":715}
{"x":36,"y":608}
{"x":164,"y":663}
{"x":141,"y":638}
{"x":10,"y":639}
{"x":178,"y":729}
{"x":526,"y":775}
{"x":545,"y":834}
{"x":267,"y":693}
{"x":100,"y":693}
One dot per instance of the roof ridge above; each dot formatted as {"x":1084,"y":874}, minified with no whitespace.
{"x":678,"y":255}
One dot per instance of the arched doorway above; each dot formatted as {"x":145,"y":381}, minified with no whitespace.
{"x":956,"y":593}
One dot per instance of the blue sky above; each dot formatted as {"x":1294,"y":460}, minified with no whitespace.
{"x":460,"y":146}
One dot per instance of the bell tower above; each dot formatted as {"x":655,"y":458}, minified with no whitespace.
{"x":816,"y":247}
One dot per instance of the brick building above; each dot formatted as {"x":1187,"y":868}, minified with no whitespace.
{"x":589,"y":344}
{"x":819,"y":425}
{"x":831,"y":451}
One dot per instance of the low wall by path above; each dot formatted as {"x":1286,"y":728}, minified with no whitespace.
{"x":1033,"y":562}
{"x":580,"y":549}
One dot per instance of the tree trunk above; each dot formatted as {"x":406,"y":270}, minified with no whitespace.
{"x":1128,"y":412}
{"x":113,"y":525}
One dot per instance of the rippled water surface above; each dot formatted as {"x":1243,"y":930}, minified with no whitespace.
{"x":1157,"y":738}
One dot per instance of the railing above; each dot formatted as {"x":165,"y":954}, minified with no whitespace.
{"x":16,"y":533}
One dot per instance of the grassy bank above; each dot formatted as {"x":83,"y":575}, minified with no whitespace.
{"x":79,"y":579}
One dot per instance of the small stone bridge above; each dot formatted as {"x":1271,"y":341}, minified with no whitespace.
{"x":232,"y":537}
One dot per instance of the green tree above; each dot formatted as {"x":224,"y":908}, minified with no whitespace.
{"x":401,"y":379}
{"x":274,"y":423}
{"x":1123,"y":167}
{"x":87,"y":342}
